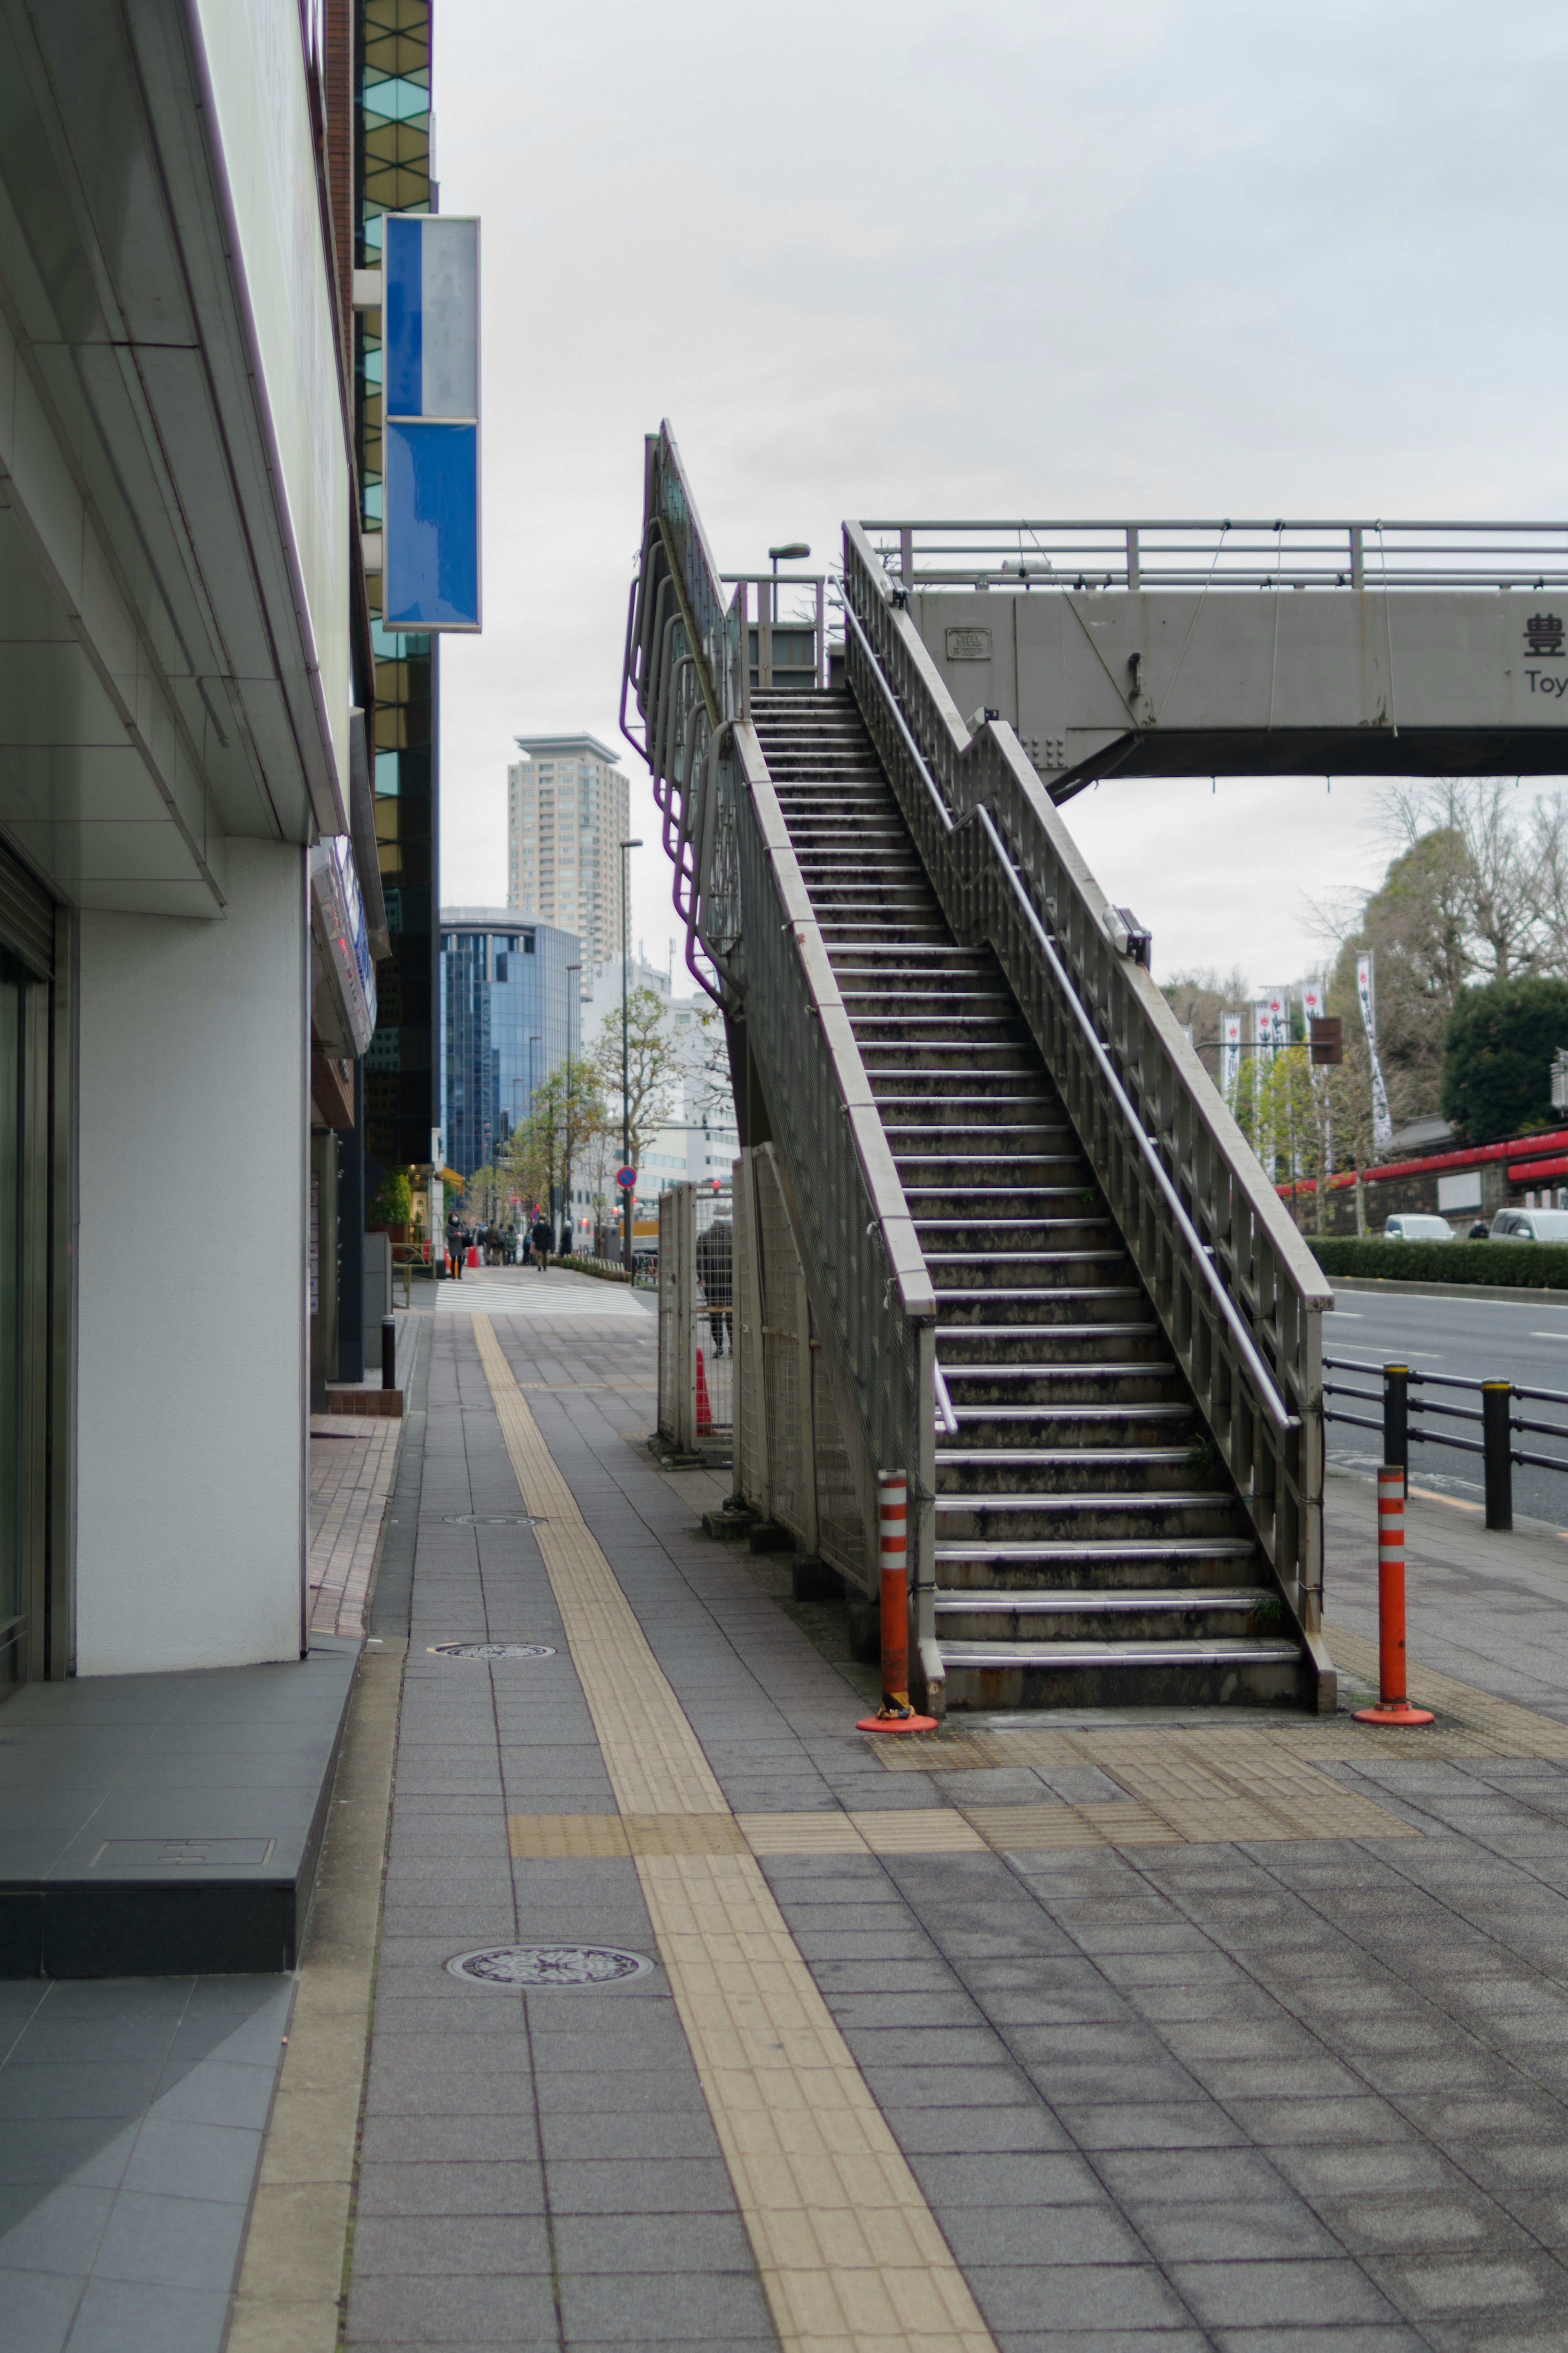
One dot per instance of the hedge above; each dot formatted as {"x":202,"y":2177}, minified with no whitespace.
{"x":1516,"y":1266}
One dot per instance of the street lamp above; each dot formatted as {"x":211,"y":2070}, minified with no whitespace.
{"x":629,"y":1191}
{"x":566,"y":1155}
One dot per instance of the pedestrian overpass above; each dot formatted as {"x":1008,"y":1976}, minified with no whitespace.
{"x":996,"y":1228}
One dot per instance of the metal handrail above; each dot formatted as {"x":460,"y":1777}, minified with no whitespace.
{"x":1234,"y":1286}
{"x":754,"y":943}
{"x":1279,"y":1411}
{"x":1087,"y":554}
{"x":944,"y":1408}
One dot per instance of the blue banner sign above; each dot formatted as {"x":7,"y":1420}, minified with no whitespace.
{"x":430,"y":462}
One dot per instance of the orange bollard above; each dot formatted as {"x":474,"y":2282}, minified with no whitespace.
{"x":704,"y":1406}
{"x":896,"y":1713}
{"x":1394,"y":1707}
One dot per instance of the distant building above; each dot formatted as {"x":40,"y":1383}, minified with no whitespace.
{"x":509,"y":1016}
{"x":568,"y":811}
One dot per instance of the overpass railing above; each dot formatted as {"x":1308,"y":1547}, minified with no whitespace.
{"x":1236,"y":1292}
{"x":1240,"y":554}
{"x":755,"y":945}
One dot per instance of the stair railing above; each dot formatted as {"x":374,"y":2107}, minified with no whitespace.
{"x":1239,"y":1295}
{"x":739,"y":890}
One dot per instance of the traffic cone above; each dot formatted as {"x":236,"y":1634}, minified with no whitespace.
{"x":704,"y":1410}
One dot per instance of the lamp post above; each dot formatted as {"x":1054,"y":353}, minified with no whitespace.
{"x":566,"y":1155}
{"x":629,"y":1192}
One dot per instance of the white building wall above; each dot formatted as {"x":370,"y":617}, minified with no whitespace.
{"x":191,"y":1279}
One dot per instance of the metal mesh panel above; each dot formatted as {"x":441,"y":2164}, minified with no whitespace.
{"x":783,"y":1336}
{"x":840,"y":1529}
{"x":713,"y":1309}
{"x":669,"y":1382}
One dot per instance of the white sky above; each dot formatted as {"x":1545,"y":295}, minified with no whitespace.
{"x":1173,"y":257}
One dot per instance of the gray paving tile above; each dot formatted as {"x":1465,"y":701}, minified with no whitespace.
{"x":640,"y":2186}
{"x":456,"y":2312}
{"x":61,"y":2232}
{"x":428,"y":2246}
{"x":1000,"y":2181}
{"x":38,"y":2308}
{"x":1103,"y":2297}
{"x":181,"y":2243}
{"x":128,"y":2316}
{"x":1043,"y":2236}
{"x":676,"y":2308}
{"x":436,"y":2188}
{"x":634,"y":2244}
{"x":1249,"y":2295}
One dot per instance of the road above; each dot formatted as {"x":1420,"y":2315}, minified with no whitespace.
{"x":1524,"y":1342}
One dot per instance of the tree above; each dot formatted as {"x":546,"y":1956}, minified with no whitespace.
{"x":653,"y":1065}
{"x":1497,"y":1057}
{"x":393,"y":1202}
{"x":567,"y":1114}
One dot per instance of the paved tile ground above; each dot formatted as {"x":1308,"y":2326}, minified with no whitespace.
{"x":1287,"y":2095}
{"x":353,"y":1463}
{"x":131,"y":2113}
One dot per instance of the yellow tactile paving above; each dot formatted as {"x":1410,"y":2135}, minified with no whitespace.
{"x":849,"y":2255}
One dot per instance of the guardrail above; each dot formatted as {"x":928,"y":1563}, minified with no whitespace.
{"x":754,"y":943}
{"x":1237,"y":1290}
{"x":1285,"y":552}
{"x":1496,"y":1418}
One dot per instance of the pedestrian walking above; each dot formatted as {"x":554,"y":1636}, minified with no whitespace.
{"x":716,"y":1273}
{"x":543,"y":1238}
{"x":457,"y":1242}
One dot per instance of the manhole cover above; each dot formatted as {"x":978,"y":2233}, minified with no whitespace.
{"x":492,"y":1520}
{"x":491,"y":1650}
{"x":550,"y":1965}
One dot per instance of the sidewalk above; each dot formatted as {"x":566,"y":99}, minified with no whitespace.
{"x":1105,"y":2034}
{"x":1234,"y":2034}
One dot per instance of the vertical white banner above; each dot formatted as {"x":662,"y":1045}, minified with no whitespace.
{"x":1229,"y":1054}
{"x":1313,"y":1003}
{"x":1272,"y":1012}
{"x":1382,"y":1125}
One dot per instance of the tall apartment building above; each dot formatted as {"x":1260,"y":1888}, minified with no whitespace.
{"x":568,"y":810}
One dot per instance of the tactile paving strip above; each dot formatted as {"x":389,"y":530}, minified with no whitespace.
{"x":849,"y":2253}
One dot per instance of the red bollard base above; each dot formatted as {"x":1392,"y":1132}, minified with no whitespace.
{"x":910,"y":1723}
{"x":1396,"y":1712}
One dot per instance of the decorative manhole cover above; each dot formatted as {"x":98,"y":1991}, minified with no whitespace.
{"x":493,"y":1520}
{"x":550,"y":1965}
{"x":491,"y":1650}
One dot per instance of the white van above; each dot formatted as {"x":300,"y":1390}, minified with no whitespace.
{"x":1406,"y":1227}
{"x":1530,"y":1225}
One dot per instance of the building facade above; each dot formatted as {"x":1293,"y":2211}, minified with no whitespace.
{"x":509,"y":998}
{"x":189,"y":885}
{"x":568,"y":811}
{"x":392,"y":129}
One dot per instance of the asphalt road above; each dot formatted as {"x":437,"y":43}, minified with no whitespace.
{"x":1480,"y":1339}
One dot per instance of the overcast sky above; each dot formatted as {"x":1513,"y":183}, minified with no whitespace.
{"x":1173,"y":257}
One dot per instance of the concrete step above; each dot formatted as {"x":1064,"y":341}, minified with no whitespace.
{"x":1110,"y":1466}
{"x":1215,"y":1672}
{"x":1131,"y":1614}
{"x":1094,"y":1518}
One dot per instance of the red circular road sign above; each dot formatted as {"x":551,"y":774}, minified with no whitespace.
{"x":625,"y":1179}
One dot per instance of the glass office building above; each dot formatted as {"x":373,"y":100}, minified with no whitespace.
{"x":392,"y":83}
{"x":509,"y":1014}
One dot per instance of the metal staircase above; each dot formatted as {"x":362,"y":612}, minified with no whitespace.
{"x":1048,"y":1279}
{"x":1089,"y":1549}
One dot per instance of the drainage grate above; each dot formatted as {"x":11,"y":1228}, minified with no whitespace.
{"x":492,"y":1520}
{"x":550,"y":1965}
{"x":491,"y":1651}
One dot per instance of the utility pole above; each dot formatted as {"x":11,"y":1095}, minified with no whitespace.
{"x":574,"y":971}
{"x":629,"y":1192}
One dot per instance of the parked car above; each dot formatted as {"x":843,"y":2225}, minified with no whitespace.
{"x":1406,"y":1227}
{"x":1530,"y":1225}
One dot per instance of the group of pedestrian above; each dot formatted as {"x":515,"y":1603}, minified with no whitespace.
{"x":497,"y":1245}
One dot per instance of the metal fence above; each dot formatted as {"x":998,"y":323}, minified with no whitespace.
{"x":1404,"y":1417}
{"x":696,"y":1316}
{"x":1235,"y":553}
{"x":791,"y":1460}
{"x":753,"y":942}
